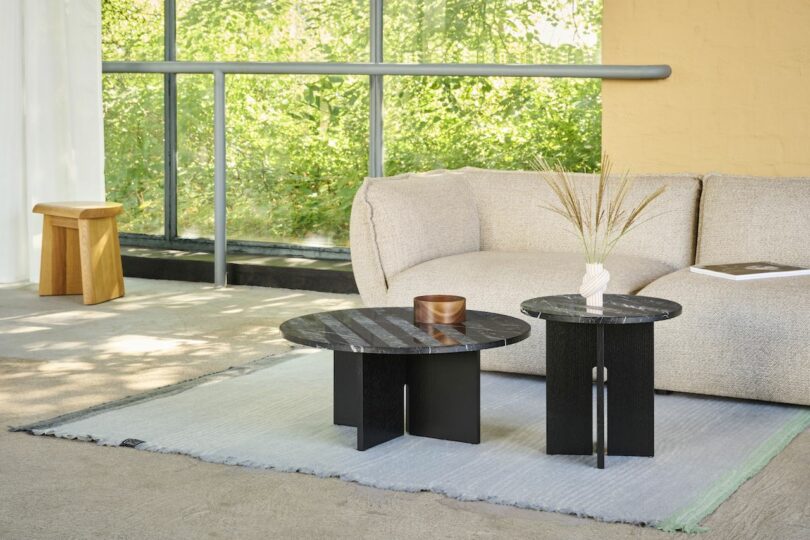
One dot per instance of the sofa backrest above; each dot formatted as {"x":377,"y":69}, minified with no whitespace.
{"x":419,"y":217}
{"x":513,"y":218}
{"x":745,"y":219}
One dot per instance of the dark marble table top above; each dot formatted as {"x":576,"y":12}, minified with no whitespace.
{"x":392,"y":331}
{"x":617,"y":309}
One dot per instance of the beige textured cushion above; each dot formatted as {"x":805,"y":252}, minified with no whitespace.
{"x":510,"y":209}
{"x":754,"y":219}
{"x":500,"y":281}
{"x":744,"y":339}
{"x":419,"y":217}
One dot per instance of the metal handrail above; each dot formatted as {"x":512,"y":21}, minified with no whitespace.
{"x":589,"y":71}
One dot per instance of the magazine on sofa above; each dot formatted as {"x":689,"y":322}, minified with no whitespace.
{"x":750,"y":270}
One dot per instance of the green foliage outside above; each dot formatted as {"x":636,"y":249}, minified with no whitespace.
{"x":298,"y":145}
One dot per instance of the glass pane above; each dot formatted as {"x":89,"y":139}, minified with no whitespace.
{"x":195,"y":156}
{"x":492,"y":31}
{"x":297,"y":152}
{"x":132,"y":30}
{"x":273,"y":30}
{"x":451,"y":122}
{"x":133,"y":147}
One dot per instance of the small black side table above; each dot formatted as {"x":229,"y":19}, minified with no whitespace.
{"x":380,"y":351}
{"x":617,"y":336}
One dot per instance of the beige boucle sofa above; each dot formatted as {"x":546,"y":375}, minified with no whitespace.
{"x":485,"y":235}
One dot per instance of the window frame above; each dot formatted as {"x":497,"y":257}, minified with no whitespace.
{"x":376,"y":69}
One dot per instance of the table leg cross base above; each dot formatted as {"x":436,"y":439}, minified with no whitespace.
{"x":572,"y":352}
{"x":438,"y":394}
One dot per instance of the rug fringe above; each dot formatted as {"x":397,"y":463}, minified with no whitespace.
{"x":688,"y":519}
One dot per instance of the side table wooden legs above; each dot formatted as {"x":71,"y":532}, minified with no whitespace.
{"x":443,"y":396}
{"x":368,"y":394}
{"x":629,"y":358}
{"x":570,"y":355}
{"x":600,"y":396}
{"x":572,"y":352}
{"x":347,"y":387}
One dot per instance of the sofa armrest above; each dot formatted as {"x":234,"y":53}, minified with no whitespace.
{"x":366,"y":262}
{"x":405,"y":220}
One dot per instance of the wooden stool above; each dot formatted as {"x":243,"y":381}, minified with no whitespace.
{"x":80,"y":250}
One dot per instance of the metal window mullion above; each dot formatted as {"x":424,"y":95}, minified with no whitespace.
{"x":220,"y":240}
{"x":169,"y":124}
{"x":375,"y":134}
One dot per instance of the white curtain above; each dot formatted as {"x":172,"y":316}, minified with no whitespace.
{"x":51,"y":132}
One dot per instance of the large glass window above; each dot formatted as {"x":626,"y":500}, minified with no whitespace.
{"x":133,"y":147}
{"x":490,"y":122}
{"x":492,"y":31}
{"x":273,"y":31}
{"x":298,"y":146}
{"x":132,"y":30}
{"x":195,"y":156}
{"x":297,"y":151}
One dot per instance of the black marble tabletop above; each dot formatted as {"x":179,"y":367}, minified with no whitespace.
{"x":392,"y":331}
{"x":617,"y":309}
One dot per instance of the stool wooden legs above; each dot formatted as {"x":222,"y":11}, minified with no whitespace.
{"x":102,"y":275}
{"x":81,"y":256}
{"x":73,"y":264}
{"x":60,"y":269}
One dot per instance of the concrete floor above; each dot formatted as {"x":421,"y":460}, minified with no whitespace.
{"x":57,"y":355}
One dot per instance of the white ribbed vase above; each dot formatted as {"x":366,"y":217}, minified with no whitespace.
{"x":594,"y":283}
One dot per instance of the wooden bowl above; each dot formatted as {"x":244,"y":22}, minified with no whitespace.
{"x":439,"y":309}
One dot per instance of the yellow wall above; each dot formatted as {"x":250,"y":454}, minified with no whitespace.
{"x":738,"y":100}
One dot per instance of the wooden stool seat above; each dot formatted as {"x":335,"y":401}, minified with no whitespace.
{"x":80,"y":250}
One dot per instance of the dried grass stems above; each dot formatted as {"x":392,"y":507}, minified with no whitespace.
{"x":600,"y":217}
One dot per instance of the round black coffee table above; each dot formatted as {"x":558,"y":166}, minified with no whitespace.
{"x":377,"y":351}
{"x":617,"y":336}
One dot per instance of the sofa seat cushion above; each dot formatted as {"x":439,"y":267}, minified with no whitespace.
{"x":499,"y":281}
{"x":744,"y":339}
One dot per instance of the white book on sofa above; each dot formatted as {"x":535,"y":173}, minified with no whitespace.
{"x":750,"y":270}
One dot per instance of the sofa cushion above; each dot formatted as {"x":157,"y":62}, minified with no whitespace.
{"x":744,"y":339}
{"x":500,"y":281}
{"x":510,"y":209}
{"x":744,"y":218}
{"x":418,"y":217}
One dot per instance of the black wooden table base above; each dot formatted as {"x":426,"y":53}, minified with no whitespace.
{"x":442,"y":397}
{"x":626,"y":351}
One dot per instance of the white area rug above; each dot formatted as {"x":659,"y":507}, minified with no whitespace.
{"x":280,"y":417}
